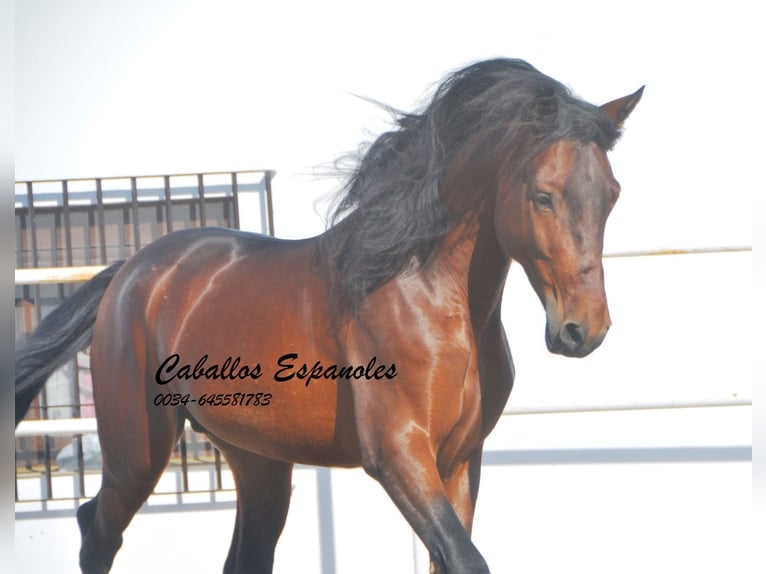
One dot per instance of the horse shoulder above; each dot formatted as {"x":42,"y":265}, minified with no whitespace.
{"x":431,"y":345}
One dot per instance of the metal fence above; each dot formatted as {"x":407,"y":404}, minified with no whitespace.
{"x":68,"y":230}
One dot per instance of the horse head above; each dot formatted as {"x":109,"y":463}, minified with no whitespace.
{"x":552,"y":221}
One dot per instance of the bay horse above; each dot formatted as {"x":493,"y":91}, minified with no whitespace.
{"x":376,"y":344}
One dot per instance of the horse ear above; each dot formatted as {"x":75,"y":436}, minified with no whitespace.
{"x":618,"y":110}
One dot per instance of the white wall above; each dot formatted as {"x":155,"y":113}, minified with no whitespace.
{"x":123,"y":88}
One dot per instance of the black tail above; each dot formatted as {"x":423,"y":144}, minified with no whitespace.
{"x":64,"y":331}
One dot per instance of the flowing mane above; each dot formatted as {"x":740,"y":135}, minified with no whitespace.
{"x":390,"y":214}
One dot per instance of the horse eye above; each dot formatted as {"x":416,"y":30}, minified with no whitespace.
{"x":544,"y":200}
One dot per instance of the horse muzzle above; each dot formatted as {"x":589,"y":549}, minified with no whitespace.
{"x":572,"y":339}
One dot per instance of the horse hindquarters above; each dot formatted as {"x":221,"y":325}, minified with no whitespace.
{"x":134,"y":457}
{"x":130,"y":473}
{"x":136,"y":436}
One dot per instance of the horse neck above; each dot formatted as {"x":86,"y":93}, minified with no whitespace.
{"x":473,"y":259}
{"x":471,"y":250}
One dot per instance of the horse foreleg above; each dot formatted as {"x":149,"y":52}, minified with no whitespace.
{"x":407,"y":471}
{"x":463,"y":490}
{"x":263,"y":499}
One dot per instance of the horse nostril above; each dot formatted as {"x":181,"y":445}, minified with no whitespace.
{"x":573,"y":336}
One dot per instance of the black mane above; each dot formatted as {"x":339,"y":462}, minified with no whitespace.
{"x":390,"y":214}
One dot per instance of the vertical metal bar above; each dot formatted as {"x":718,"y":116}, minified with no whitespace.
{"x":122,"y":233}
{"x":168,"y":207}
{"x":235,"y":198}
{"x":88,"y":246}
{"x":201,"y":195}
{"x":32,"y":230}
{"x":67,"y":222}
{"x":65,"y":292}
{"x":195,"y":446}
{"x":54,"y":262}
{"x":101,"y":223}
{"x":69,"y":258}
{"x":218,"y":475}
{"x":80,"y":464}
{"x":134,"y":206}
{"x":55,"y":259}
{"x":33,"y":246}
{"x":269,"y":205}
{"x":184,"y":463}
{"x":20,"y":231}
{"x":43,"y":397}
{"x":48,"y":469}
{"x":20,"y":228}
{"x":326,"y":523}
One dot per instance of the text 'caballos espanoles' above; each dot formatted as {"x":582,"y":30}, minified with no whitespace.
{"x":287,"y":367}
